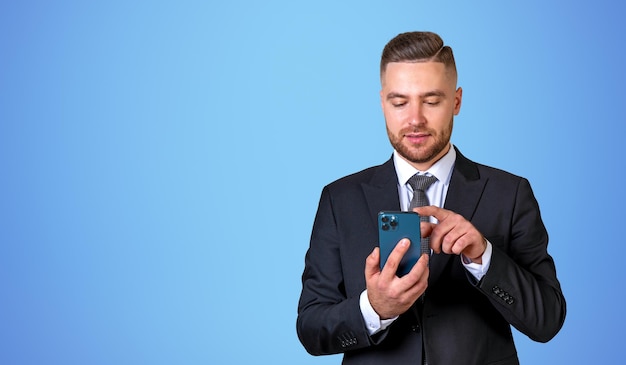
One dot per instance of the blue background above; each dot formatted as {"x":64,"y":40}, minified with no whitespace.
{"x":161,"y":163}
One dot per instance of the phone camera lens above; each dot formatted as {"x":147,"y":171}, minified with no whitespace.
{"x":393,"y":223}
{"x":385,"y":227}
{"x":385,"y":219}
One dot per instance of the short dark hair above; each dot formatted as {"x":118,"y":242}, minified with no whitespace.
{"x":417,"y":47}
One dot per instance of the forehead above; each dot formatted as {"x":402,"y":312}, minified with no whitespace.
{"x":409,"y":75}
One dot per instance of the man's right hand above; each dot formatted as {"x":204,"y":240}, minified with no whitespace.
{"x":389,"y":294}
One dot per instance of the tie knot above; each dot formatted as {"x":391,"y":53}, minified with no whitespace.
{"x":421,"y":182}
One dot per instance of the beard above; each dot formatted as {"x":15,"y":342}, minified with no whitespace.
{"x":423,"y":152}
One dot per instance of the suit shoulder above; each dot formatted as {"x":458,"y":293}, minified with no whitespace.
{"x":355,"y":178}
{"x":503,"y":180}
{"x":473,"y":170}
{"x":375,"y":175}
{"x":493,"y":172}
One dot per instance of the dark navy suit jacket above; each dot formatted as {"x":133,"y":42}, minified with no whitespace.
{"x":461,"y":321}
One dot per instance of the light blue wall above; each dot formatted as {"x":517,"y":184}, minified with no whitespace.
{"x":161,"y":163}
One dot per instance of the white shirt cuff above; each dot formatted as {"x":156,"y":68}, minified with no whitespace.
{"x":372,"y":321}
{"x":479,"y":270}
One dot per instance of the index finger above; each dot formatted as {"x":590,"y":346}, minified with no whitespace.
{"x":431,"y":210}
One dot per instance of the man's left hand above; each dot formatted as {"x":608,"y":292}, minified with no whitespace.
{"x":453,"y":234}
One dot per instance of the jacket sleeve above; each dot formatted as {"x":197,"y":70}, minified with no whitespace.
{"x":328,"y":321}
{"x":522,"y":283}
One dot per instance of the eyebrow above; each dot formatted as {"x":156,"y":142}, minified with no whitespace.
{"x":437,"y":92}
{"x":394,"y":95}
{"x":434,"y":93}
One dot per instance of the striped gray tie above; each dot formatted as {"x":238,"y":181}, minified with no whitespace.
{"x":420,"y":183}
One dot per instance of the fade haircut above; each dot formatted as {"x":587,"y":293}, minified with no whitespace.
{"x":417,"y":47}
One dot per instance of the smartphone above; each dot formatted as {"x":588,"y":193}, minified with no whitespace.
{"x":394,"y":226}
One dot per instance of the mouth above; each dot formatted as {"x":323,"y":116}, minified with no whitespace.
{"x":416,"y":137}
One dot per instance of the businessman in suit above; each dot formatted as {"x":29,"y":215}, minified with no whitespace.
{"x":489,"y":268}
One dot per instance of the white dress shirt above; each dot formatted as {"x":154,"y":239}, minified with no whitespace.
{"x":436,"y":194}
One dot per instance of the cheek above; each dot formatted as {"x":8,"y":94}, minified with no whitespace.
{"x":440,"y":118}
{"x":394,"y":124}
{"x":394,"y":116}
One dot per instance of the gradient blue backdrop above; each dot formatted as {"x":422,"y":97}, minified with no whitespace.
{"x":161,"y":163}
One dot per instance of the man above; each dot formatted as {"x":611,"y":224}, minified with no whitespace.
{"x":489,"y":268}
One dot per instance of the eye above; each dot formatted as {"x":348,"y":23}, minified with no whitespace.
{"x":397,"y":101}
{"x":432,"y":102}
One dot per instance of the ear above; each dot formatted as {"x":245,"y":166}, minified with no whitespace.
{"x":458,"y":96}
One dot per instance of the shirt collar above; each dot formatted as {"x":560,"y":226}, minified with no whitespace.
{"x":441,"y":169}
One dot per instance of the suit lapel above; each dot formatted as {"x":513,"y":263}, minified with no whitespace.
{"x":466,"y":188}
{"x":381,"y":192}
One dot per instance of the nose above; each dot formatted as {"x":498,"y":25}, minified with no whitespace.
{"x":416,"y":114}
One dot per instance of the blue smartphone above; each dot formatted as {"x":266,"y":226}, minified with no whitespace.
{"x":394,"y":226}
